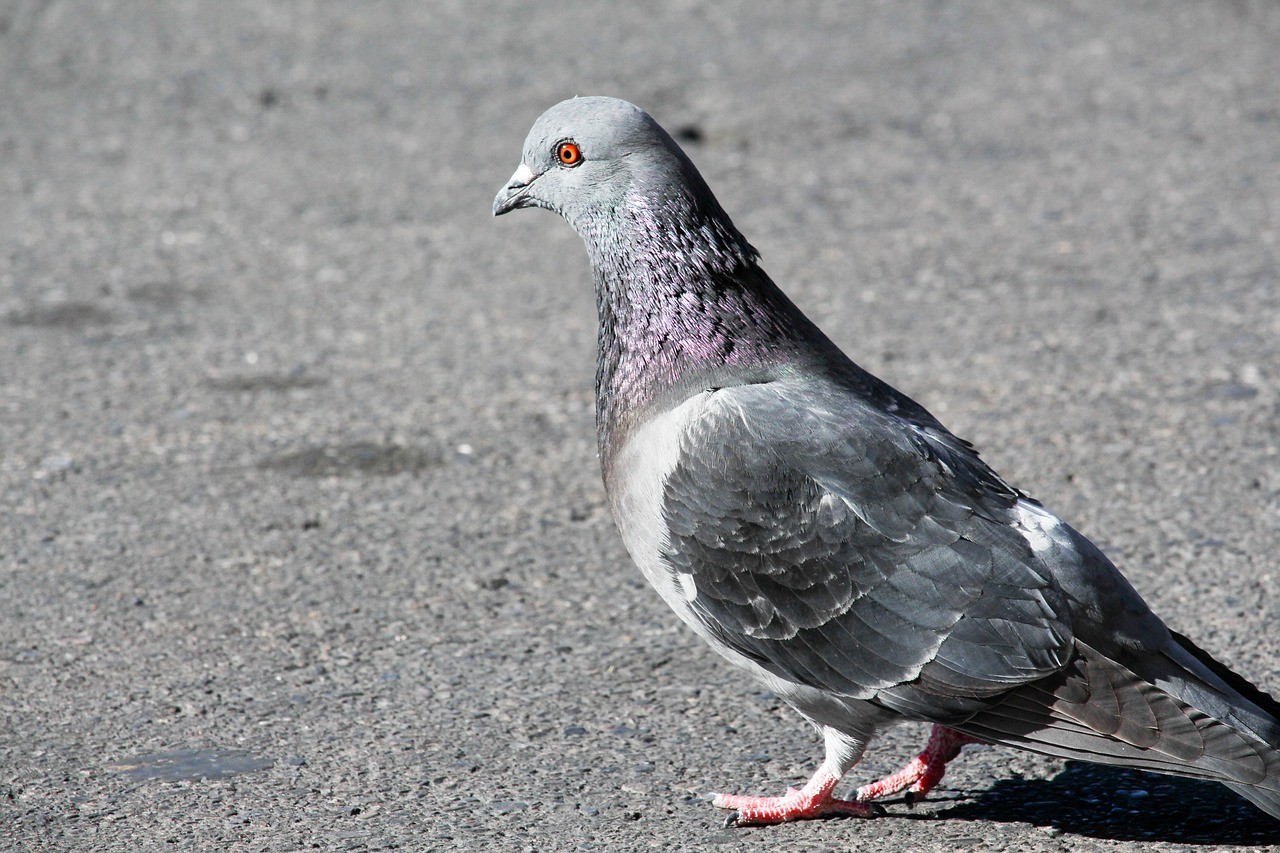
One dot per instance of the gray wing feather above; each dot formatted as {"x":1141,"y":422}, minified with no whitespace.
{"x":843,"y":551}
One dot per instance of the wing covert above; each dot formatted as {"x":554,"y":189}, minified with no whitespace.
{"x":850,"y":552}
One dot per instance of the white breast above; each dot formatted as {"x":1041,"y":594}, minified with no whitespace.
{"x":640,"y":474}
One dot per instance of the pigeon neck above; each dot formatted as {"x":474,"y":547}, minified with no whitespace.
{"x":683,"y":306}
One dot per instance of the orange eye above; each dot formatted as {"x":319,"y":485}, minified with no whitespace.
{"x":568,"y":153}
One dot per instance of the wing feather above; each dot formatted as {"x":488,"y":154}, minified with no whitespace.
{"x":846,"y":553}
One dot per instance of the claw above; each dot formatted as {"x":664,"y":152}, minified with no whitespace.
{"x":731,"y":821}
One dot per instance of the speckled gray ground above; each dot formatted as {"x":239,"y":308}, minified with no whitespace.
{"x":303,"y":537}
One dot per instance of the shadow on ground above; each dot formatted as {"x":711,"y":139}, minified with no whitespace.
{"x":1122,"y":805}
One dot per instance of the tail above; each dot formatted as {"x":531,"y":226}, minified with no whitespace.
{"x":1238,"y":703}
{"x":1246,"y":706}
{"x":1267,"y":800}
{"x":1181,"y":713}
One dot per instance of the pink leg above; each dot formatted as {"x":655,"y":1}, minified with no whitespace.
{"x":813,"y":800}
{"x":924,"y":771}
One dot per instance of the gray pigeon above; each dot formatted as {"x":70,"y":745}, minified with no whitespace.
{"x":825,"y":533}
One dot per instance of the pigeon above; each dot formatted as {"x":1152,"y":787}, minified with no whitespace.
{"x":826,"y":534}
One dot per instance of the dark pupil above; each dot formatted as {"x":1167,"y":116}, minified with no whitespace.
{"x":567,"y":154}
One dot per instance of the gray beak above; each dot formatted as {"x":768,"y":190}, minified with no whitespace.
{"x":515,"y":193}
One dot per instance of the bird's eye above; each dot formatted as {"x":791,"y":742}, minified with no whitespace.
{"x":568,"y":153}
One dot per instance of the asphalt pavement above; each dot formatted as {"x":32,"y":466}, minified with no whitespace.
{"x":302,"y":538}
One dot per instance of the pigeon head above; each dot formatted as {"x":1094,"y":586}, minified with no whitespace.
{"x":575,"y":156}
{"x":583,"y":155}
{"x":618,"y":178}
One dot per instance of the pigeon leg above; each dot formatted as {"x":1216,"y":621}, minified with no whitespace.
{"x":924,"y":771}
{"x":813,"y":800}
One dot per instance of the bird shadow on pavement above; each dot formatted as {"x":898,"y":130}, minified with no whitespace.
{"x":1122,"y":805}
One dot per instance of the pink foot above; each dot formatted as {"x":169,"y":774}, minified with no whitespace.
{"x":813,"y":800}
{"x":924,"y":771}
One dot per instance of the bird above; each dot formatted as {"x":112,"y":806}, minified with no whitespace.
{"x":825,"y":533}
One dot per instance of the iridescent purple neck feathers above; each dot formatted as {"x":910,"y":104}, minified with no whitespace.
{"x":682,"y":303}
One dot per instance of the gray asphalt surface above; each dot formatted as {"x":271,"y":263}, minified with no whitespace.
{"x":304,"y":544}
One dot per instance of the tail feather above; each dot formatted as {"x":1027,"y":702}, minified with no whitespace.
{"x":1098,"y":709}
{"x":1259,"y":712}
{"x":1264,"y":798}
